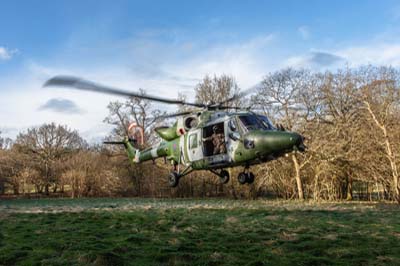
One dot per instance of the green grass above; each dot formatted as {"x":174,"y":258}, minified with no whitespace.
{"x":197,"y":232}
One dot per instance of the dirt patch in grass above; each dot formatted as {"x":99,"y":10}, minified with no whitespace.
{"x":272,"y":217}
{"x":231,"y":219}
{"x":330,"y":236}
{"x":287,"y":236}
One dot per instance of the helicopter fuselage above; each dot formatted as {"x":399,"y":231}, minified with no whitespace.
{"x":248,"y":139}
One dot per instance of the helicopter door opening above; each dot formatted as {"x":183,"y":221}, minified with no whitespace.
{"x":214,"y":140}
{"x":194,"y":145}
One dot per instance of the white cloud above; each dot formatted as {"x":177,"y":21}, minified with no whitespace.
{"x":61,"y":105}
{"x":304,"y":32}
{"x":247,"y":61}
{"x":373,"y":53}
{"x":6,"y":54}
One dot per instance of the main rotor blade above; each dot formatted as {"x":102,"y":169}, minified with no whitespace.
{"x":240,"y":95}
{"x":81,"y":84}
{"x":229,"y":107}
{"x":173,"y":115}
{"x":114,"y":142}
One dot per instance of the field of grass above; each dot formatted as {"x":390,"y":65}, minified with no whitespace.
{"x":197,"y":232}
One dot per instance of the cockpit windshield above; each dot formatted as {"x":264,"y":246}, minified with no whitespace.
{"x":266,"y":122}
{"x":254,"y":122}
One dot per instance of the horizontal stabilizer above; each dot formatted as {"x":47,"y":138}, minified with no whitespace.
{"x":123,"y":142}
{"x":114,"y":142}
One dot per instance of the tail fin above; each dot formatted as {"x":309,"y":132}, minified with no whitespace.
{"x":132,"y":152}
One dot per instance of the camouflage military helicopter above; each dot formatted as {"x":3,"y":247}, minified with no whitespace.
{"x":209,"y":138}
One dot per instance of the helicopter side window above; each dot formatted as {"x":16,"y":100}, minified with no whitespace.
{"x":234,"y":133}
{"x":193,"y":141}
{"x":232,"y":125}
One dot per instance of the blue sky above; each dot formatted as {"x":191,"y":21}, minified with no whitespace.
{"x":166,"y":47}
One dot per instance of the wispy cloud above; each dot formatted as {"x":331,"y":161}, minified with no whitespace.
{"x":6,"y":54}
{"x":374,"y":53}
{"x":61,"y":106}
{"x":304,"y":32}
{"x":394,"y":12}
{"x":247,"y":61}
{"x":315,"y":60}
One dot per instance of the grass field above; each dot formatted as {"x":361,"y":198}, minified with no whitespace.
{"x":197,"y":232}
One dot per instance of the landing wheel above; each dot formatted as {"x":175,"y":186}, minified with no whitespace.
{"x":250,"y":178}
{"x":173,"y":179}
{"x":242,"y":178}
{"x":224,"y":176}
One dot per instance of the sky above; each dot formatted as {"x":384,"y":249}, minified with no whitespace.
{"x":167,"y":47}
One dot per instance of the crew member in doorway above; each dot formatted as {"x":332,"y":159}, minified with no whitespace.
{"x":218,"y":140}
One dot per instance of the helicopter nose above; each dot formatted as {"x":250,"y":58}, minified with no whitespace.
{"x":279,"y":141}
{"x":301,"y":147}
{"x":290,"y":141}
{"x":297,"y":141}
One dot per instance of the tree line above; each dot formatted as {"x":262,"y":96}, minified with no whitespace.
{"x":349,"y":118}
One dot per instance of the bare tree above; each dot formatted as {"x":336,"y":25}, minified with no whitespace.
{"x":342,"y":124}
{"x":381,"y":99}
{"x":46,"y":145}
{"x":279,"y":92}
{"x":135,"y":110}
{"x":5,"y":143}
{"x":143,"y":114}
{"x":1,"y":141}
{"x":217,"y":89}
{"x":90,"y":173}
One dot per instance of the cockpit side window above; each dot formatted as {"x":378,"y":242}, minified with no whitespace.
{"x":232,"y":125}
{"x":234,"y":130}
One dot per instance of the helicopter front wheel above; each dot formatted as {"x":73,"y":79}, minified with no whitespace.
{"x":250,"y":178}
{"x":173,"y":179}
{"x":242,"y":178}
{"x":224,"y":176}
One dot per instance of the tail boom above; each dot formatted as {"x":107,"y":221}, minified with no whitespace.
{"x":168,"y":149}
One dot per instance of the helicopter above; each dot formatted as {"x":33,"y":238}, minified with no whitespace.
{"x":211,"y":137}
